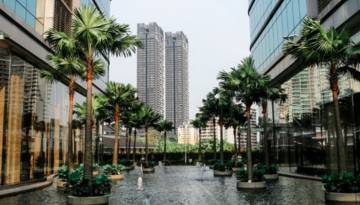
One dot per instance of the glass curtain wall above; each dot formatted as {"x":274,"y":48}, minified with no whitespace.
{"x":305,"y":135}
{"x":33,"y":122}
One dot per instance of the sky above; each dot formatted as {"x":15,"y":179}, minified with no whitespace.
{"x":217,"y":30}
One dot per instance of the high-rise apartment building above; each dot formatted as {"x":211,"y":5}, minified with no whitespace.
{"x":150,"y":66}
{"x":176,"y":78}
{"x":33,"y":113}
{"x":304,"y":124}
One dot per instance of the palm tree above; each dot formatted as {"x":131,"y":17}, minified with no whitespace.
{"x":165,"y":126}
{"x":200,"y":123}
{"x":270,"y":91}
{"x":148,"y":119}
{"x":65,"y":62}
{"x":245,"y":83}
{"x":234,"y":119}
{"x":137,"y":124}
{"x":210,"y":108}
{"x":335,"y":51}
{"x":118,"y":98}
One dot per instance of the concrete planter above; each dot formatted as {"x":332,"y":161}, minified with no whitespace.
{"x":98,"y":200}
{"x":342,"y":197}
{"x":95,"y":173}
{"x":271,"y":176}
{"x":252,"y":185}
{"x":129,"y":167}
{"x":60,"y":184}
{"x":150,"y":169}
{"x":201,"y":164}
{"x":235,"y":169}
{"x":222,"y":173}
{"x":211,"y":166}
{"x":116,"y":177}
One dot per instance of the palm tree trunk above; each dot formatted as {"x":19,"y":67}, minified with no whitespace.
{"x":221,"y":141}
{"x":266,"y":149}
{"x":116,"y":146}
{"x":126,"y":141}
{"x":214,"y":145}
{"x":134,"y":150}
{"x":165,"y":146}
{"x":97,"y":130}
{"x":273,"y":130}
{"x":341,"y":157}
{"x":88,"y":135}
{"x":248,"y":145}
{"x":128,"y":153}
{"x":199,"y":144}
{"x":70,"y":162}
{"x":146,"y":145}
{"x":235,"y":147}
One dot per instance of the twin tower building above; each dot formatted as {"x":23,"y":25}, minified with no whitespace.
{"x":165,"y":89}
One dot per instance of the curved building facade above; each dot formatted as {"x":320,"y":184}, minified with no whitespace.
{"x":304,"y":140}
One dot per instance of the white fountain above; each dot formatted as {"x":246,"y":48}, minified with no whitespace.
{"x":160,"y":164}
{"x":140,"y":180}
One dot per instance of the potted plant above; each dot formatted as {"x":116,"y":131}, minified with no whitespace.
{"x":235,"y":166}
{"x":78,"y":187}
{"x":128,"y":164}
{"x":271,"y":172}
{"x":148,"y":167}
{"x":95,"y":169}
{"x":63,"y":174}
{"x":114,"y":171}
{"x":257,"y":178}
{"x":222,"y":169}
{"x":211,"y":163}
{"x":342,"y":188}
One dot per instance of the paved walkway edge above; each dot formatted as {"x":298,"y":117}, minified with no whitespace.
{"x":26,"y":188}
{"x":287,"y":174}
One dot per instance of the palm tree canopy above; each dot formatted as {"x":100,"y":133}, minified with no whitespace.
{"x":245,"y":82}
{"x":236,"y":116}
{"x":119,"y":95}
{"x":97,"y":112}
{"x":165,"y":126}
{"x":97,"y":34}
{"x":148,"y":117}
{"x":317,"y":47}
{"x":199,"y":123}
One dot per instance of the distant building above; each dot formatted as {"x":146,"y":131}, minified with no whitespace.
{"x":188,"y":134}
{"x":177,"y":78}
{"x":150,"y":66}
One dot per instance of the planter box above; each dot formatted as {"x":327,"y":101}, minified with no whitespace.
{"x":235,"y":169}
{"x":95,"y":173}
{"x":342,"y":197}
{"x":98,"y":200}
{"x":116,"y":177}
{"x":60,"y":184}
{"x":129,"y":167}
{"x":211,"y":166}
{"x":222,"y":173}
{"x":271,"y":176}
{"x":150,"y":169}
{"x":252,"y":185}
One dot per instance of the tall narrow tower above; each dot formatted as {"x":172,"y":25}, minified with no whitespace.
{"x":176,"y":78}
{"x":150,"y":66}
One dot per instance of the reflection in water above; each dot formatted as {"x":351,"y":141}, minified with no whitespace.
{"x":183,"y":185}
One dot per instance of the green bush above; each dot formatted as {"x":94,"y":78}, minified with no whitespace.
{"x":95,"y":166}
{"x":125,"y":162}
{"x":78,"y":185}
{"x":113,"y":169}
{"x":150,"y":164}
{"x":222,"y":167}
{"x":240,"y":164}
{"x":166,"y":162}
{"x":63,"y":174}
{"x":343,"y":183}
{"x":213,"y":161}
{"x":258,"y":174}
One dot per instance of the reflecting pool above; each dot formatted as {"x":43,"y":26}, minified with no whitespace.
{"x":188,"y":185}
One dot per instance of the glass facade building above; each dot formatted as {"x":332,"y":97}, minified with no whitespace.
{"x":33,"y":113}
{"x":304,"y":137}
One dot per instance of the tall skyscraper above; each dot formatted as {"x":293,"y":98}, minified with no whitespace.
{"x":177,"y":78}
{"x":150,"y":66}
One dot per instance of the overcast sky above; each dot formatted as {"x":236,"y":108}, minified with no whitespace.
{"x":218,"y":33}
